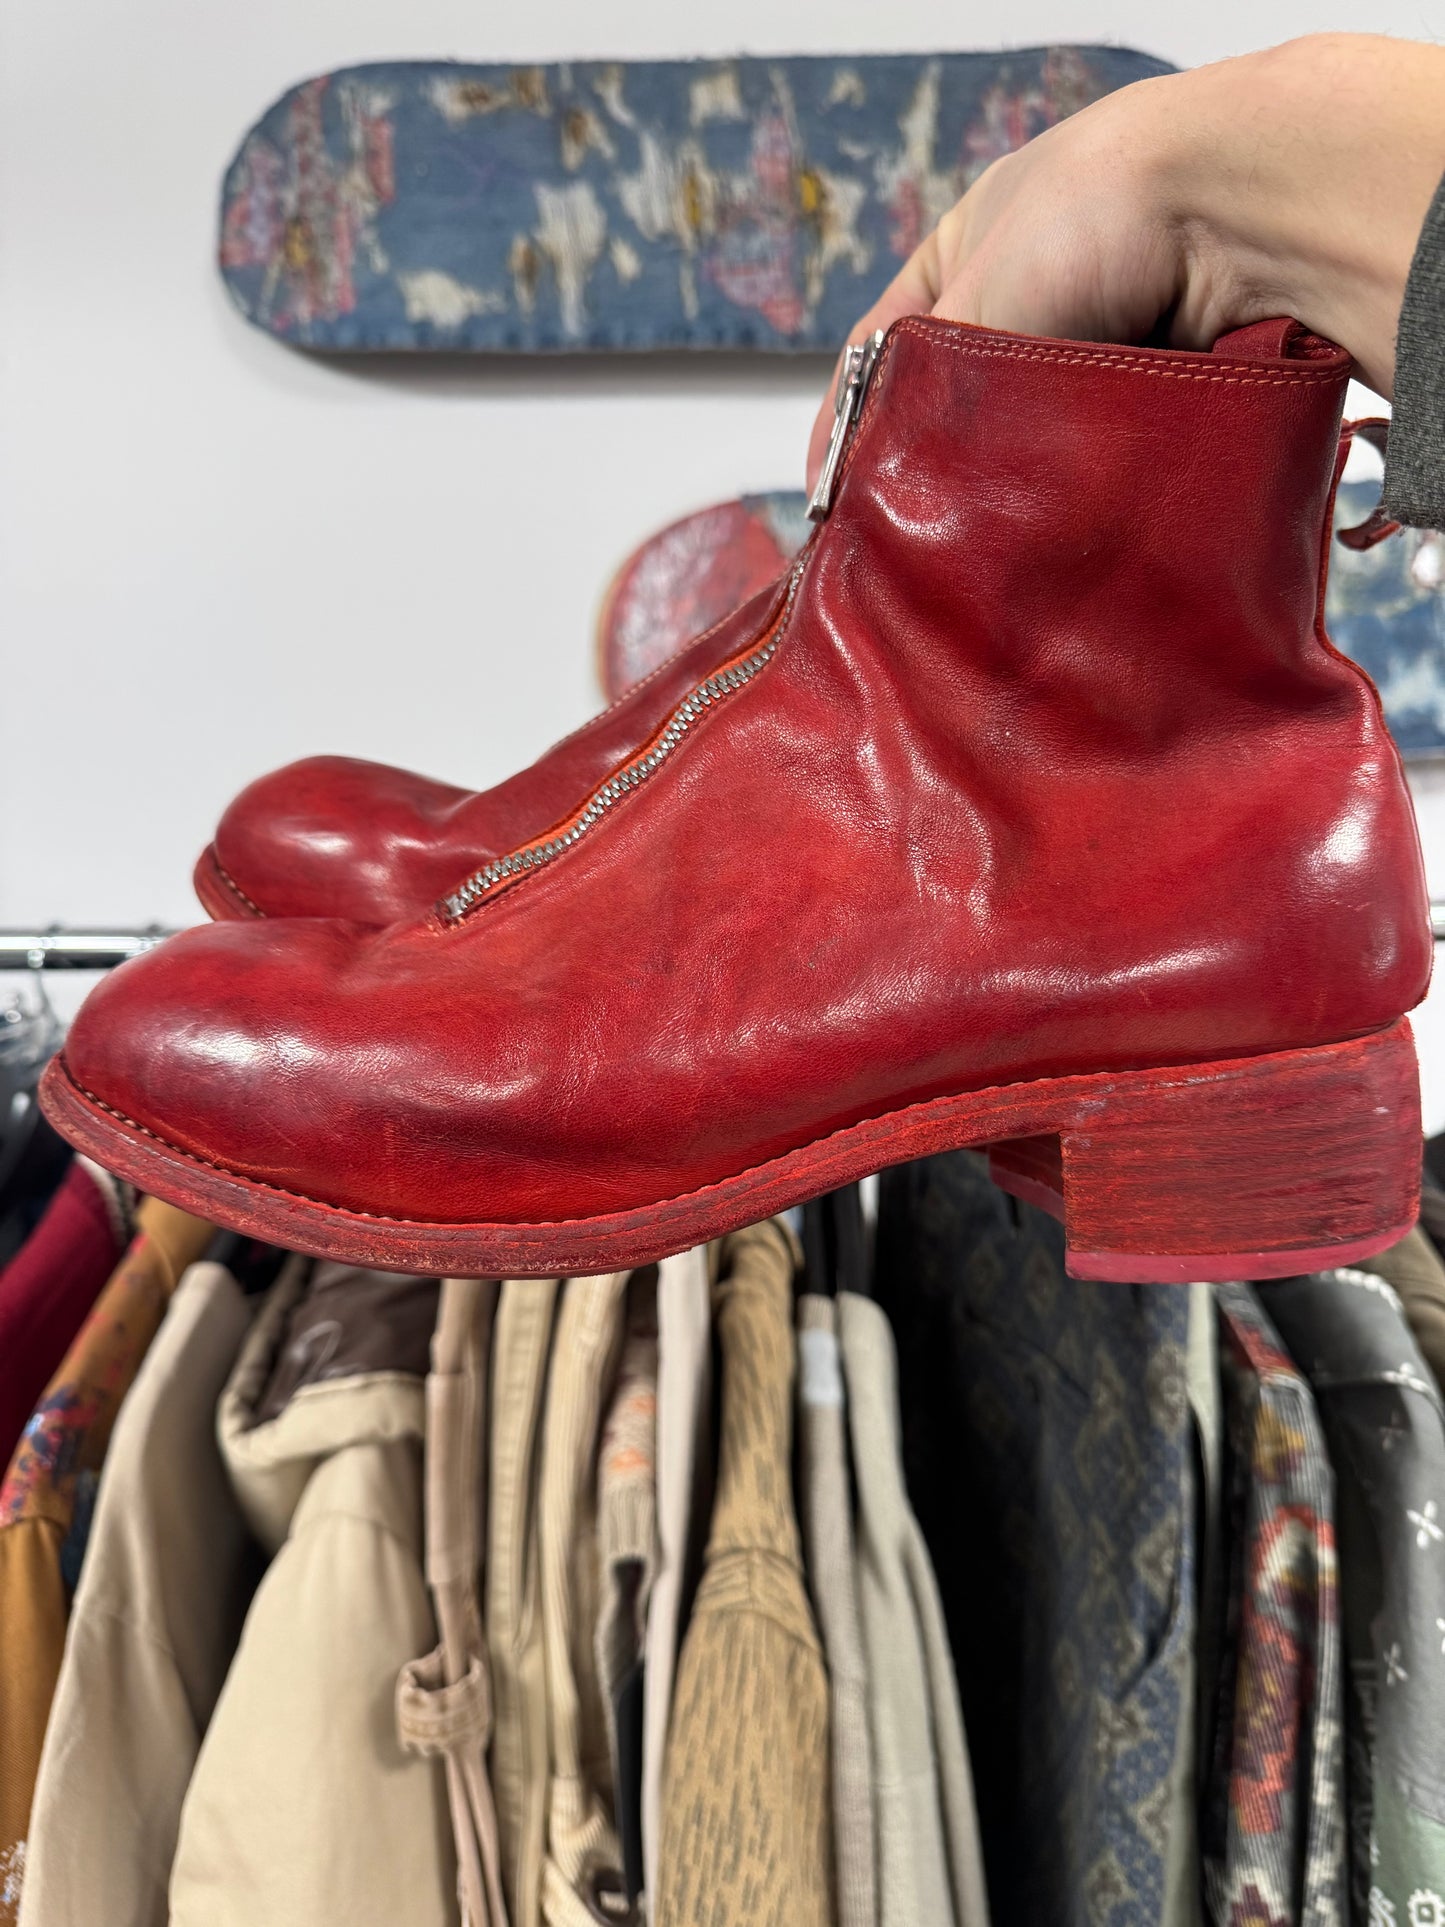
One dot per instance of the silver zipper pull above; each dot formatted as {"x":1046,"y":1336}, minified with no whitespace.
{"x":853,"y":379}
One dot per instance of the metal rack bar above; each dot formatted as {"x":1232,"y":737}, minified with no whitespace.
{"x":63,"y":948}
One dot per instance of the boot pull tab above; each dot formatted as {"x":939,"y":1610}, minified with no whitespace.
{"x":1377,"y":525}
{"x":1262,"y":340}
{"x":1279,"y":339}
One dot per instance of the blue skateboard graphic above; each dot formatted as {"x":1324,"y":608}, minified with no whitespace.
{"x":743,"y":204}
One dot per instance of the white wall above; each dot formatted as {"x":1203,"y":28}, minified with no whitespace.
{"x":216,"y":555}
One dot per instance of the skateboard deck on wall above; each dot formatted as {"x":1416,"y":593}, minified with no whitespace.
{"x":1385,"y":607}
{"x":748,"y":203}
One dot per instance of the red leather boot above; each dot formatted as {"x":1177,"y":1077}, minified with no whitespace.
{"x":336,"y":836}
{"x":1041,"y":816}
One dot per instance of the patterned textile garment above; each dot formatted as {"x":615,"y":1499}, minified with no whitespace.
{"x":582,"y":1874}
{"x":1385,"y":1426}
{"x":746,"y":1824}
{"x":521,"y":1337}
{"x":1274,"y":1846}
{"x":1047,"y":1435}
{"x":1204,"y":1469}
{"x":64,"y":1444}
{"x":627,"y":1557}
{"x":825,"y":1502}
{"x":1414,"y":1271}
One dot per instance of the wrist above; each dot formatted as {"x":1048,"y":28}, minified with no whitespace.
{"x":1298,"y":180}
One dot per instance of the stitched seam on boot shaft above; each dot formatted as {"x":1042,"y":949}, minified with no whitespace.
{"x":1309,"y":374}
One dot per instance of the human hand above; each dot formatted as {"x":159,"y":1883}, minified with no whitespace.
{"x":1293,"y":182}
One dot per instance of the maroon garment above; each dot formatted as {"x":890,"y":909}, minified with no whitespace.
{"x":47,"y":1289}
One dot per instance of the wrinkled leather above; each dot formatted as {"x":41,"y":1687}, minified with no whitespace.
{"x":1052,"y":772}
{"x":334,"y":836}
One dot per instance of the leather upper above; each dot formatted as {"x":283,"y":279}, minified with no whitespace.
{"x":1052,"y":771}
{"x":336,"y":836}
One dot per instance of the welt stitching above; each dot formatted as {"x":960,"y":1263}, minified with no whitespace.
{"x":232,"y":884}
{"x":1231,"y":1067}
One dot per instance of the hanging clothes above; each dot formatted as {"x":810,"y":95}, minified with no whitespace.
{"x":1274,"y":1842}
{"x":627,"y":1558}
{"x":1415,"y":1273}
{"x":930,"y":1860}
{"x":54,"y":1467}
{"x":825,"y":1504}
{"x":684,"y":1508}
{"x":582,"y":1873}
{"x":51,"y":1283}
{"x":746,"y":1825}
{"x":1201,"y":1494}
{"x":521,"y":1341}
{"x":1384,"y":1422}
{"x":168,"y":1577}
{"x":304,"y":1806}
{"x":1046,"y":1442}
{"x":444,"y":1702}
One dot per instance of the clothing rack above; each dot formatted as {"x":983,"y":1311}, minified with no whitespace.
{"x":62,"y":947}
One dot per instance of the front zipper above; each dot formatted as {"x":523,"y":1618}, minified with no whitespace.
{"x":859,"y":361}
{"x":536,"y":856}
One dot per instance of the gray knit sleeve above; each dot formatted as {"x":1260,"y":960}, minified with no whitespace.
{"x":1415,"y":470}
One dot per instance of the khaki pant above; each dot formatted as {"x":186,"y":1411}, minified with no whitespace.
{"x":521,"y":1340}
{"x":584,"y":1860}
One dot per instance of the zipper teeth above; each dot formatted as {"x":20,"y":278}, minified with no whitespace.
{"x":536,"y":856}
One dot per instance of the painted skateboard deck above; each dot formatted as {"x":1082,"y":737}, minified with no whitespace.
{"x":1385,"y":606}
{"x":742,"y":204}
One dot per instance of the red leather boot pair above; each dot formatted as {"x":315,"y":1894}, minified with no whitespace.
{"x":1034,"y":810}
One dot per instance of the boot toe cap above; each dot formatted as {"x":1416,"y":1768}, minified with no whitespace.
{"x":196,"y":1045}
{"x":326,"y":837}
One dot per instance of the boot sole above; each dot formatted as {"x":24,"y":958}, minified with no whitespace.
{"x":1258,"y":1167}
{"x":221,"y":898}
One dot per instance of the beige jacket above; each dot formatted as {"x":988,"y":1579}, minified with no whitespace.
{"x":304,"y":1808}
{"x":167,"y":1577}
{"x":521,"y":1344}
